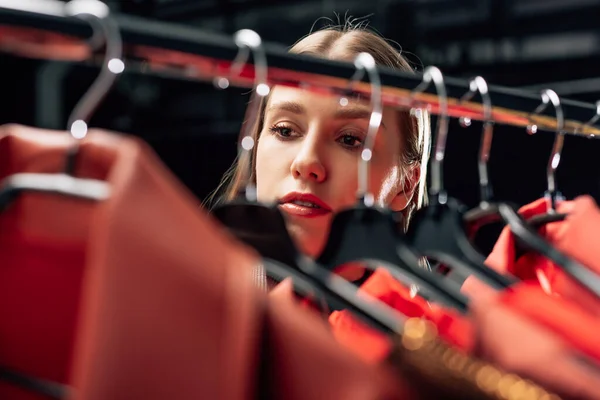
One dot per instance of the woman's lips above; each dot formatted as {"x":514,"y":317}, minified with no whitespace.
{"x":304,"y":205}
{"x":303,"y":211}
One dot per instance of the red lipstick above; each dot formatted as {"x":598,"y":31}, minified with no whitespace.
{"x":304,"y":205}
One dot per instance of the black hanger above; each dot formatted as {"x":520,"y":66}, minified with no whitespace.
{"x":528,"y":239}
{"x":105,"y":32}
{"x":538,"y":221}
{"x":370,"y":235}
{"x":259,"y":225}
{"x":487,"y":210}
{"x":438,"y":230}
{"x":346,"y":243}
{"x":366,"y":233}
{"x":66,"y":184}
{"x":526,"y":236}
{"x":552,"y":194}
{"x":311,"y":278}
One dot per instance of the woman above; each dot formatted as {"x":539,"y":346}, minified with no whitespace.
{"x":308,"y":147}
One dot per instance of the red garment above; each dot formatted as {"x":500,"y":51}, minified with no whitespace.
{"x":305,"y":362}
{"x":569,"y":321}
{"x":493,"y":332}
{"x":43,"y":248}
{"x":40,"y":281}
{"x":170,"y":310}
{"x":372,"y":345}
{"x":576,"y":236}
{"x":519,"y":345}
{"x":547,"y":296}
{"x":173,"y":331}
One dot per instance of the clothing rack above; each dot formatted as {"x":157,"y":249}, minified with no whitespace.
{"x":160,"y":47}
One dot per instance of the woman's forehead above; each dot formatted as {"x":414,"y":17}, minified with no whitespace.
{"x":286,"y":94}
{"x":301,"y":101}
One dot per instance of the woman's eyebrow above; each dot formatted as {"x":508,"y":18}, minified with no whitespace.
{"x":290,"y":106}
{"x":348,"y":112}
{"x":355,"y":113}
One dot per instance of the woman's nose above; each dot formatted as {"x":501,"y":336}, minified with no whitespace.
{"x":308,"y":163}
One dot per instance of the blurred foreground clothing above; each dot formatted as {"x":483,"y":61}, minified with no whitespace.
{"x":145,"y":296}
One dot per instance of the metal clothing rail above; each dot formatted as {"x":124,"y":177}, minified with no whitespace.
{"x":41,"y":29}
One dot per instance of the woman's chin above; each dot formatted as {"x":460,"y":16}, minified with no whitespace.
{"x":310,"y":248}
{"x":309,"y":242}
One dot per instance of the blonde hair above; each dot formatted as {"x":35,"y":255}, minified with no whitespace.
{"x":343,"y":44}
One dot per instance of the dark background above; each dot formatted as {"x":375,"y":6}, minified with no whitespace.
{"x":531,"y":44}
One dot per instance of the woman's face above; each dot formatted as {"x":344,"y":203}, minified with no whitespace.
{"x":307,"y":161}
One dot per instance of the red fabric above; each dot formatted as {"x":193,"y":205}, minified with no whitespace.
{"x":40,"y":282}
{"x":569,"y":321}
{"x":43,"y":248}
{"x":373,"y":346}
{"x":142,"y":280}
{"x":170,"y":309}
{"x":305,"y":362}
{"x":494,"y":332}
{"x":547,"y":296}
{"x":576,"y":237}
{"x":521,"y":346}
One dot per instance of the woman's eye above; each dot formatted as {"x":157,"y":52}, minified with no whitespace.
{"x":350,"y":141}
{"x":283,"y":131}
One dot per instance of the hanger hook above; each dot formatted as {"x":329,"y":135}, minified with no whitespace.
{"x":365,"y":62}
{"x":248,"y":41}
{"x":595,"y":118}
{"x":549,"y":96}
{"x":103,"y":27}
{"x":479,"y":85}
{"x":433,"y":74}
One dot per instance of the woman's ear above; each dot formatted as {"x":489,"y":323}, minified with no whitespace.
{"x":407,"y":190}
